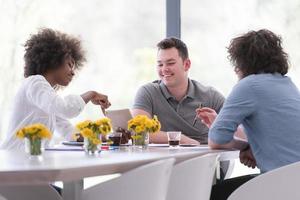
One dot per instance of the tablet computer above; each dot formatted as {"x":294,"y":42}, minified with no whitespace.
{"x":119,"y":118}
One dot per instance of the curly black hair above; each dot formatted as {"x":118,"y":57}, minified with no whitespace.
{"x":258,"y":52}
{"x":48,"y":49}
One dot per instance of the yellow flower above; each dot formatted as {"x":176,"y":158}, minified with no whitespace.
{"x":109,"y":128}
{"x":88,"y":133}
{"x":105,"y":129}
{"x":45,"y":133}
{"x":103,"y":121}
{"x":34,"y":131}
{"x":20,"y":133}
{"x":158,"y":128}
{"x":131,"y":124}
{"x":93,"y":129}
{"x":84,"y":124}
{"x":149,"y":124}
{"x":96,"y":141}
{"x":31,"y":130}
{"x":140,"y":129}
{"x":97,"y":123}
{"x":141,"y":123}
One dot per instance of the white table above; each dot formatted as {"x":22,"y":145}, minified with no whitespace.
{"x":71,"y":167}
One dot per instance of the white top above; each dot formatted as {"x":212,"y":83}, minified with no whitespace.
{"x":37,"y":102}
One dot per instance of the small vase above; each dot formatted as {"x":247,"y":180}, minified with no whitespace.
{"x":34,"y":146}
{"x":141,"y":140}
{"x":91,"y":148}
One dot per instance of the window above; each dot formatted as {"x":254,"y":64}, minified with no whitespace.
{"x":209,"y":25}
{"x":119,"y":37}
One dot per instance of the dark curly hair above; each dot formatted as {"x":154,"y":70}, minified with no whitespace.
{"x":258,"y":52}
{"x":48,"y":49}
{"x":171,"y":42}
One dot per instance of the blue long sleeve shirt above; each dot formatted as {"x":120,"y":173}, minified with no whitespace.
{"x":268,"y":107}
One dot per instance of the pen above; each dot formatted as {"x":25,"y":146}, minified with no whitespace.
{"x":103,"y":111}
{"x":196,"y":118}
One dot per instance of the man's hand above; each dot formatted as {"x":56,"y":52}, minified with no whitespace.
{"x":187,"y":140}
{"x":247,"y":158}
{"x":207,"y":116}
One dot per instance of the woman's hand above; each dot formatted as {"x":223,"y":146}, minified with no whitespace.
{"x":101,"y":99}
{"x":207,"y":115}
{"x":96,"y":98}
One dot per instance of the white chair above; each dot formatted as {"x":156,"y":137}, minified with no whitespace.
{"x":278,"y":184}
{"x":229,"y":169}
{"x":30,"y":192}
{"x":148,"y":182}
{"x":192,"y":179}
{"x":2,"y":198}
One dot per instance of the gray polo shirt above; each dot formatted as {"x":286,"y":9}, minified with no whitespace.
{"x":155,"y":99}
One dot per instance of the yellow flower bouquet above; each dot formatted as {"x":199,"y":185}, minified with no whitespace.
{"x":34,"y":134}
{"x":92,"y":131}
{"x":142,"y":125}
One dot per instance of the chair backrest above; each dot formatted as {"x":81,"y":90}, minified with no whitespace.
{"x":192,"y":179}
{"x":278,"y":184}
{"x":2,"y":198}
{"x":29,"y":192}
{"x":148,"y":182}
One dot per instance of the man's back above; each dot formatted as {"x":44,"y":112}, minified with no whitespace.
{"x":269,"y":107}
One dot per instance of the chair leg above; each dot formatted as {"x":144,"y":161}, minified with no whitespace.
{"x":73,"y":190}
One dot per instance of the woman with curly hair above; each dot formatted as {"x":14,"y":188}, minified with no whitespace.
{"x":51,"y":59}
{"x":264,"y":101}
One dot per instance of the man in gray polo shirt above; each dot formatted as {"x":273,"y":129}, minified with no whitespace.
{"x":174,"y":98}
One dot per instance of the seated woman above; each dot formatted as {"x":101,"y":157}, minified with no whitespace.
{"x":264,"y":101}
{"x":51,"y":59}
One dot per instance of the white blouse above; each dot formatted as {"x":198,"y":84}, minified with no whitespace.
{"x":37,"y":102}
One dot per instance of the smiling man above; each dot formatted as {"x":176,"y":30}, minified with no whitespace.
{"x":174,"y":98}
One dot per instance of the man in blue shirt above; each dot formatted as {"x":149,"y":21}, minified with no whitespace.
{"x":265,"y":102}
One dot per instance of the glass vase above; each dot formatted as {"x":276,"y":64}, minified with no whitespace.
{"x":34,"y":146}
{"x":141,"y":140}
{"x":90,"y":147}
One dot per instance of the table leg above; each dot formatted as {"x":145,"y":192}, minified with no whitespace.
{"x":72,"y":190}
